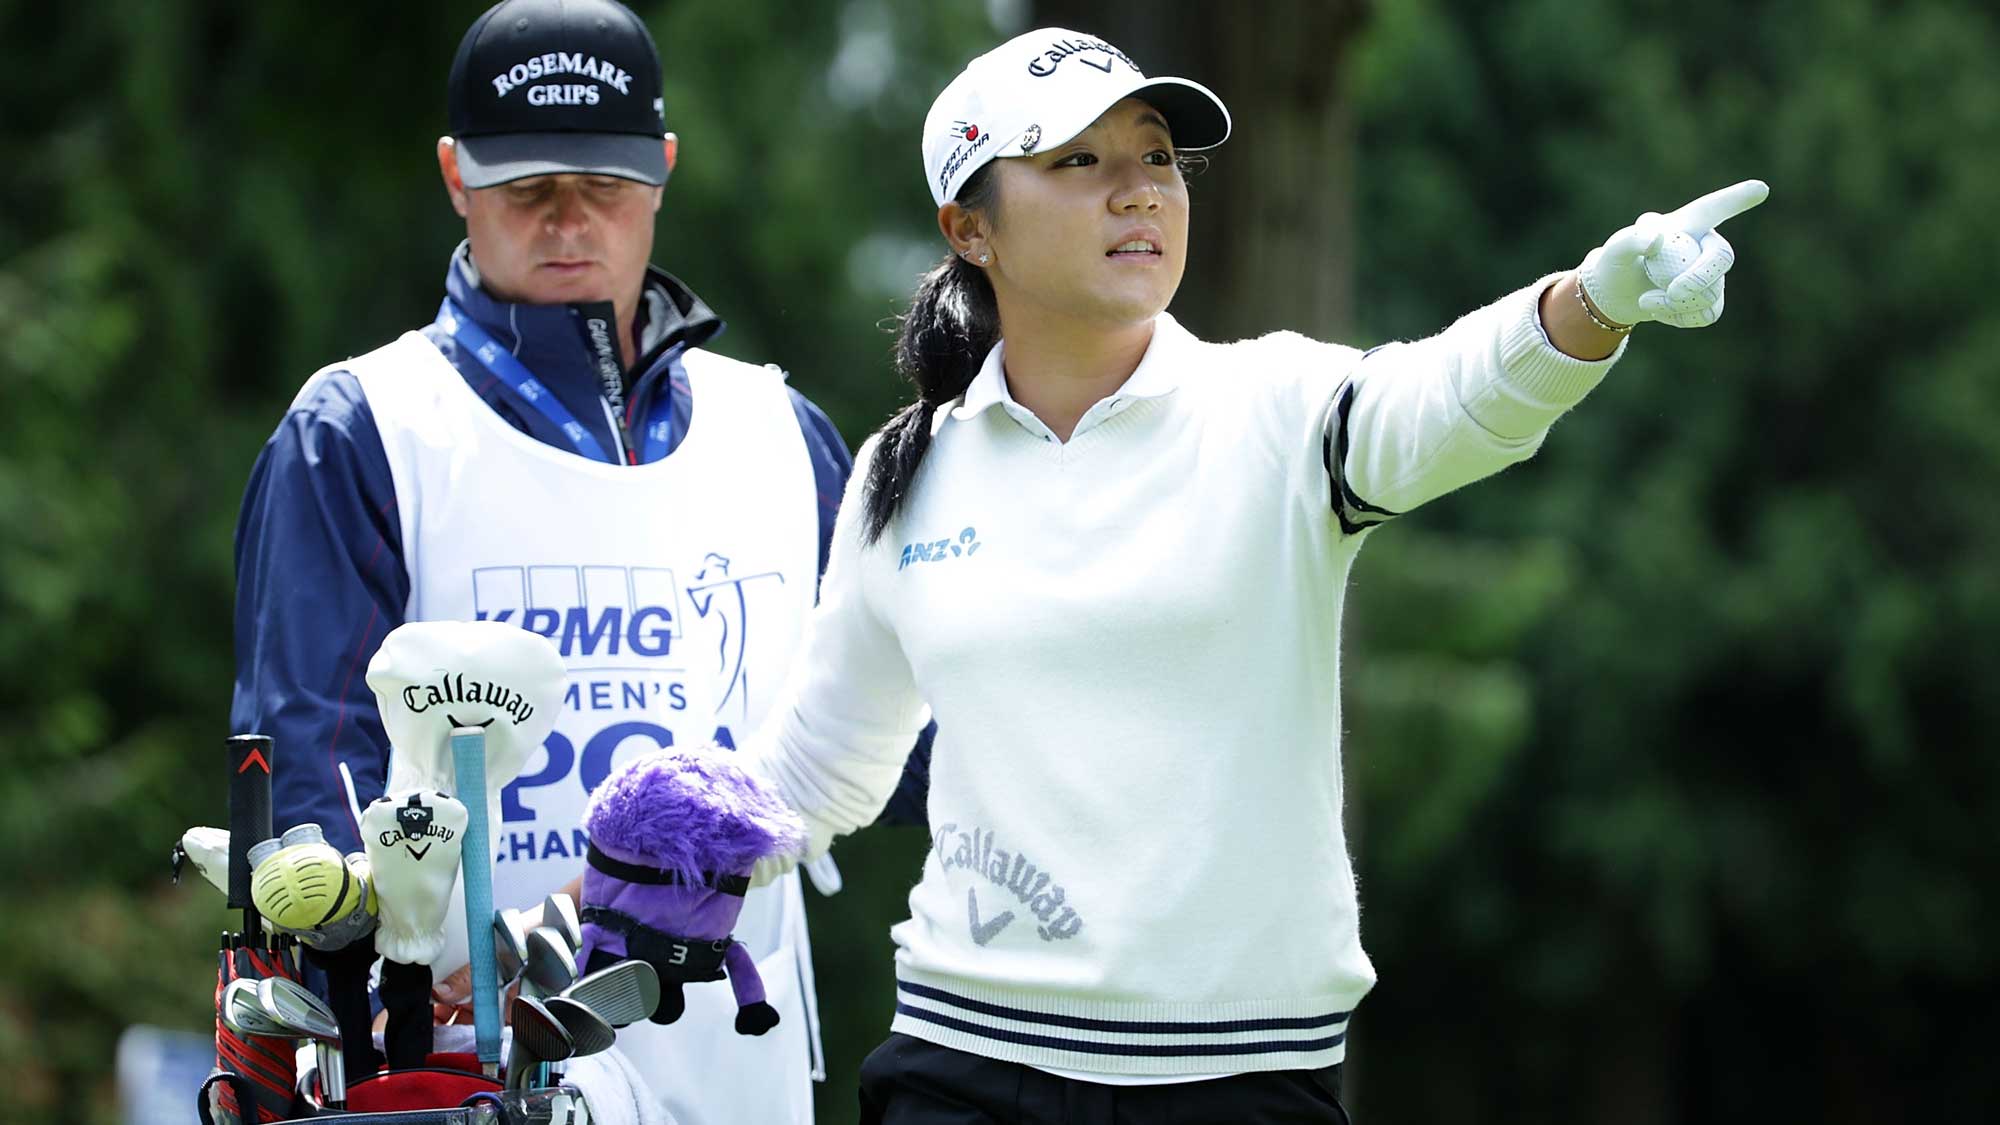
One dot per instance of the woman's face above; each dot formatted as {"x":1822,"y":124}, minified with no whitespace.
{"x":1094,"y":229}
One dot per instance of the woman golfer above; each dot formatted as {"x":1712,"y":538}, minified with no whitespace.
{"x":1109,"y":558}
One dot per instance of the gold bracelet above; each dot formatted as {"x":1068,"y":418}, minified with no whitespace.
{"x":1592,"y":313}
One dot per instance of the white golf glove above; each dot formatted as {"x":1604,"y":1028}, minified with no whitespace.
{"x":818,"y":864}
{"x":432,"y":676}
{"x":413,"y":838}
{"x":819,"y":868}
{"x":1669,"y":268}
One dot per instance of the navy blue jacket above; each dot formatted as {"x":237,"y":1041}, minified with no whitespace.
{"x":319,"y":553}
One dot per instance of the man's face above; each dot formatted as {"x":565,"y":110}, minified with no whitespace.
{"x":561,"y":239}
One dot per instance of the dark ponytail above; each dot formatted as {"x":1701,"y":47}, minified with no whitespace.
{"x":952,"y":323}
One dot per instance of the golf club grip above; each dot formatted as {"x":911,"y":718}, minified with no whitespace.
{"x":249,"y":809}
{"x":468,"y":763}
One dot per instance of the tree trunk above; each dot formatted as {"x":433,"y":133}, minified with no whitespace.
{"x":1272,"y":227}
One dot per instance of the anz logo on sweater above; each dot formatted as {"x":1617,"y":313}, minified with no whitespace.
{"x":938,"y":550}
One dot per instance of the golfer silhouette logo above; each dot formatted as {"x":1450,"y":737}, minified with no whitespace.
{"x":718,"y":596}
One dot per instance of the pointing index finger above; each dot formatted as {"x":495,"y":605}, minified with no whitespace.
{"x":1706,"y":213}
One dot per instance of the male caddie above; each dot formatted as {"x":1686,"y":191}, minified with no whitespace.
{"x":556,"y":451}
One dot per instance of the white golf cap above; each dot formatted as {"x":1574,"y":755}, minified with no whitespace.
{"x":1041,"y":89}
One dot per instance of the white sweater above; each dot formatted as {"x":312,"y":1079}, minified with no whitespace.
{"x":1131,"y":644}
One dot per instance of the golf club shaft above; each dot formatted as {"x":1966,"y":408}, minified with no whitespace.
{"x":332,"y":1074}
{"x":520,"y":1064}
{"x":468,"y":759}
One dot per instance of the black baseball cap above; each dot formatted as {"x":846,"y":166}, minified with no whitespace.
{"x":546,"y":86}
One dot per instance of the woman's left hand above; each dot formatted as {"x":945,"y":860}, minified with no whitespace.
{"x":1668,"y":268}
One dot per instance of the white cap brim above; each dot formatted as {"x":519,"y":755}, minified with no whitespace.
{"x":1195,"y":116}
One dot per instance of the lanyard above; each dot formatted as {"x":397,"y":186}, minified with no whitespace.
{"x":516,"y":377}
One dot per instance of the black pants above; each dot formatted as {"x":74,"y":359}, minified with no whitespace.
{"x":907,"y":1081}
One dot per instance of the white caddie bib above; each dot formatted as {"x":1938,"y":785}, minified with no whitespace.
{"x":676,"y":591}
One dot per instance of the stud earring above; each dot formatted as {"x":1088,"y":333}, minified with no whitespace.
{"x":985,"y":258}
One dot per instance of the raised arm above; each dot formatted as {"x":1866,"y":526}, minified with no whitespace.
{"x":1416,"y":420}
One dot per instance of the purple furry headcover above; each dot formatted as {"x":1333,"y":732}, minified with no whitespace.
{"x":690,"y":811}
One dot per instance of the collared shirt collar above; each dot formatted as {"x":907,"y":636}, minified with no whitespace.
{"x":1158,"y":373}
{"x":549,"y":340}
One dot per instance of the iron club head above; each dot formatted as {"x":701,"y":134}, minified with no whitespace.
{"x":589,"y":1032}
{"x":551,"y":963}
{"x":623,"y":993}
{"x":288,"y":1002}
{"x":539,"y":1037}
{"x":510,"y":943}
{"x":240,"y":1008}
{"x":559,"y":914}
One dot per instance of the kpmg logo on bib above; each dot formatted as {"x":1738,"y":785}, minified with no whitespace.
{"x":585,"y":610}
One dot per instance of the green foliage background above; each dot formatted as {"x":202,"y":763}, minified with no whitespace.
{"x":1672,"y":749}
{"x":1704,"y":835}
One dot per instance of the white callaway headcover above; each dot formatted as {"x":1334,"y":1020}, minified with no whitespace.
{"x":431,"y":676}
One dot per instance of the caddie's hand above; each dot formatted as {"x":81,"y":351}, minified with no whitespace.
{"x":451,"y":999}
{"x":1669,"y":268}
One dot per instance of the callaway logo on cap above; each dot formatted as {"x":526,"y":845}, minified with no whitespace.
{"x":547,"y":86}
{"x":1041,"y":89}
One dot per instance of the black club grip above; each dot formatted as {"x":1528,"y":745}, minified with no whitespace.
{"x":249,"y":808}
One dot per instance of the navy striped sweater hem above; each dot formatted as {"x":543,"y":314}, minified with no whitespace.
{"x":1119,"y":1039}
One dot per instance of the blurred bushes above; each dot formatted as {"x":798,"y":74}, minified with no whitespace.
{"x":1735,"y":864}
